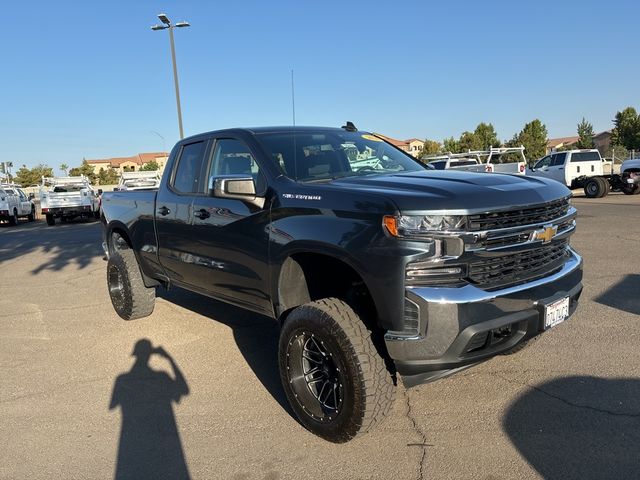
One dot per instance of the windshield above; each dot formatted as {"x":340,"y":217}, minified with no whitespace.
{"x":317,"y":156}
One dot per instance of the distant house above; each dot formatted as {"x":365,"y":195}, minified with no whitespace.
{"x":554,"y":144}
{"x":130,"y":164}
{"x":602,"y":142}
{"x":412,"y":146}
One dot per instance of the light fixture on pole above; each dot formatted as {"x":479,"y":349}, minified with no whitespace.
{"x":168,"y":25}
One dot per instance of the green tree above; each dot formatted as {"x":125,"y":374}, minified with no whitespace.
{"x":468,"y":141}
{"x":451,"y":145}
{"x":627,"y":129}
{"x":485,"y":136}
{"x":65,"y":168}
{"x":533,"y":137}
{"x":152,"y":166}
{"x":30,"y":176}
{"x":84,"y":169}
{"x":108,"y":177}
{"x":585,"y":132}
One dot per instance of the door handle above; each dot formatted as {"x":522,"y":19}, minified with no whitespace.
{"x":201,"y":214}
{"x":561,"y":168}
{"x":164,"y":211}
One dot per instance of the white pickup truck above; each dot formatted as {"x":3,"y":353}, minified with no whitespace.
{"x":14,"y":203}
{"x":587,"y":170}
{"x":494,"y":160}
{"x":138,"y":181}
{"x":68,"y":197}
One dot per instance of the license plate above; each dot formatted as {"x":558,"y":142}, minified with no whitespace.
{"x":556,"y":313}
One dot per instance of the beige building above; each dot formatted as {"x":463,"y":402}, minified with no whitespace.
{"x":129,"y":164}
{"x":412,"y":146}
{"x":554,"y":144}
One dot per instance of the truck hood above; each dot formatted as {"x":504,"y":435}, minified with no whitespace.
{"x":457,"y":191}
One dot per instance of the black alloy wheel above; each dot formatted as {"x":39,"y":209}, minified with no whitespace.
{"x":314,"y":376}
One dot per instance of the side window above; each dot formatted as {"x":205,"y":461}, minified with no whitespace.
{"x":23,"y":197}
{"x":558,"y":159}
{"x":544,"y":162}
{"x":232,"y":157}
{"x":187,"y":175}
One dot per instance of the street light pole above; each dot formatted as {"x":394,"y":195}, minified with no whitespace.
{"x":168,"y":25}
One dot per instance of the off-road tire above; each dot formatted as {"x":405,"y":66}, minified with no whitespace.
{"x":13,"y":219}
{"x":593,"y":188}
{"x":606,"y":187}
{"x":51,"y":220}
{"x":32,"y":216}
{"x":366,"y":387}
{"x":130,"y":297}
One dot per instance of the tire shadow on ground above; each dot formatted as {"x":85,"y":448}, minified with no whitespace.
{"x":623,"y":295}
{"x":579,"y":427}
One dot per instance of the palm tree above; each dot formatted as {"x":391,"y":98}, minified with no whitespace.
{"x":64,"y":167}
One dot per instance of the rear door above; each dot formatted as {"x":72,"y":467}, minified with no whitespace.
{"x":173,"y":212}
{"x":231,"y":251}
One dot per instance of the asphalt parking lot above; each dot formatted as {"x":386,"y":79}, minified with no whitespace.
{"x":73,"y":405}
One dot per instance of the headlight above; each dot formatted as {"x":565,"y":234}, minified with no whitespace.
{"x":424,"y":225}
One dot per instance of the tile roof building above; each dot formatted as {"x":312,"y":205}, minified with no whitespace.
{"x":412,"y":146}
{"x":129,"y":164}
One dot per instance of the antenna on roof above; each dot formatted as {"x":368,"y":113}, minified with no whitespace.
{"x":350,"y":127}
{"x":293,"y":100}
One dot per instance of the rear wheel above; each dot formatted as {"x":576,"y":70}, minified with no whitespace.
{"x":13,"y":219}
{"x":593,"y":188}
{"x":631,"y":189}
{"x":604,"y":183}
{"x":130,"y":297}
{"x":334,"y":379}
{"x":51,"y":220}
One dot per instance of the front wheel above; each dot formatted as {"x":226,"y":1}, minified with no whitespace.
{"x":32,"y":216}
{"x":631,"y":189}
{"x":334,"y":378}
{"x":130,"y":297}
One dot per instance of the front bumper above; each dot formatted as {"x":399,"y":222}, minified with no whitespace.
{"x":463,"y":326}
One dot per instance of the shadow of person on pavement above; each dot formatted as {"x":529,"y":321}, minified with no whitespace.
{"x":150,"y":445}
{"x":579,"y":428}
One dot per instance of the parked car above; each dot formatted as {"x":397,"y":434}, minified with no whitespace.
{"x":494,"y":160}
{"x":372,"y":270}
{"x":14,"y":203}
{"x":67,"y":198}
{"x":587,"y":170}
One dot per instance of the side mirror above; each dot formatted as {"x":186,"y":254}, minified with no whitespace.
{"x":32,"y":196}
{"x":99,"y":191}
{"x":236,"y":187}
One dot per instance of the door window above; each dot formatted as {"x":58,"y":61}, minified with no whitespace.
{"x":544,"y":162}
{"x":232,"y":157}
{"x":558,"y":159}
{"x":188,"y":173}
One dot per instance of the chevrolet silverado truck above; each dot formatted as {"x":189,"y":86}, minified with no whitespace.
{"x":375,"y":271}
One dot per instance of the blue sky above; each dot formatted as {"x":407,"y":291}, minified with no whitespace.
{"x":90,"y":79}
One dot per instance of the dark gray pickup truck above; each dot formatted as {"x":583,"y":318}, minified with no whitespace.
{"x":374,"y":266}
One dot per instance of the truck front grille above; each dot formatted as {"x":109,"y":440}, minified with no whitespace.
{"x":519,"y":217}
{"x":515,"y":268}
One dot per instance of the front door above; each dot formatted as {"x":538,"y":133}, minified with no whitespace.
{"x":231,"y":236}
